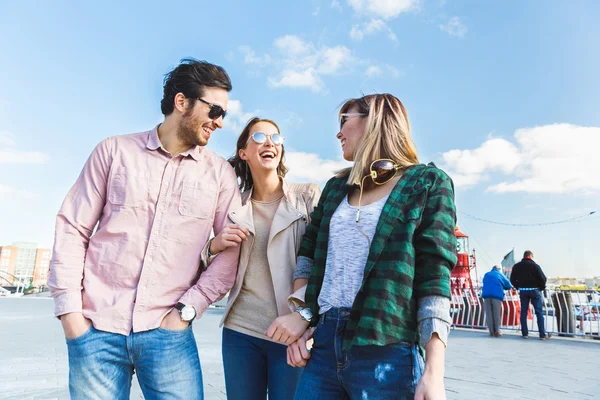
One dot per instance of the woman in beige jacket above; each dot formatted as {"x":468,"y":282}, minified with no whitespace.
{"x":265,"y":301}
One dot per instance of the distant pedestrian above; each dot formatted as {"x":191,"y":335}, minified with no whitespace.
{"x":494,"y":285}
{"x":528,"y":277}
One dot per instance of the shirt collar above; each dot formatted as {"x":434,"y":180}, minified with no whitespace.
{"x":154,"y":144}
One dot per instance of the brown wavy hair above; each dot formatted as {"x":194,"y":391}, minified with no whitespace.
{"x":241,"y":168}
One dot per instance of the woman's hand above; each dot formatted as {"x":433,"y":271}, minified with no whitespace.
{"x":287,"y":328}
{"x":430,"y":387}
{"x":230,"y":236}
{"x":431,"y":384}
{"x":297,"y":352}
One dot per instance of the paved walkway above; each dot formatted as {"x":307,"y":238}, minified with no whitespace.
{"x":33,"y":360}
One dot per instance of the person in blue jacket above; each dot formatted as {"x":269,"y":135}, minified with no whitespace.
{"x":494,"y":285}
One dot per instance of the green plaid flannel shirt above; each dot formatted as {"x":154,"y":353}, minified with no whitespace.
{"x":411,"y":256}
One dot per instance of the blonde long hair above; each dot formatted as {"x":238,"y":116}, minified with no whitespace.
{"x":387,"y":135}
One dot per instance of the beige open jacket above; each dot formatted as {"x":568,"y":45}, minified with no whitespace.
{"x":287,"y":229}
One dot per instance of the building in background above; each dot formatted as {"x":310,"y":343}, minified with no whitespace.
{"x":24,"y":262}
{"x":41,"y":268}
{"x":8,"y":261}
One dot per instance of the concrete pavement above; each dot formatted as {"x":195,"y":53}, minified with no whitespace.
{"x":33,"y":360}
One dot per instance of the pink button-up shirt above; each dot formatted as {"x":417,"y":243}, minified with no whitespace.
{"x":153,"y":214}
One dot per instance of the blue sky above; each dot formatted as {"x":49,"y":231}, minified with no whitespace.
{"x":503,"y":96}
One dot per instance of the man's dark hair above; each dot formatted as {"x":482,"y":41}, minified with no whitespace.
{"x":528,"y":254}
{"x":190,"y":77}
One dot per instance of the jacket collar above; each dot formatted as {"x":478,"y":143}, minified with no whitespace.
{"x":285,"y":215}
{"x":391,"y":213}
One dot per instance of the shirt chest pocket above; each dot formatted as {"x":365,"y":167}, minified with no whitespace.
{"x":198,"y":199}
{"x":126,"y":189}
{"x":412,"y":209}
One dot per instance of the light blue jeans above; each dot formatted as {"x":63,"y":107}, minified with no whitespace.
{"x":101,"y":365}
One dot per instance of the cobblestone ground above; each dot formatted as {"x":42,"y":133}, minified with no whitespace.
{"x":33,"y":360}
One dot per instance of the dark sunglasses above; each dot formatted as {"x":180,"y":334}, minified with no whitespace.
{"x":261,"y":138}
{"x":215,"y":110}
{"x":381,"y":171}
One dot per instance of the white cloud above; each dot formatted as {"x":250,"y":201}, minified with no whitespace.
{"x":309,"y":167}
{"x":10,"y":191}
{"x":455,"y":27}
{"x":292,"y":119}
{"x":558,"y":158}
{"x":374,"y":70}
{"x":298,"y":80}
{"x":359,"y":31}
{"x":316,"y":11}
{"x":22,"y":157}
{"x":300,"y":64}
{"x":236,"y":117}
{"x":386,"y":9}
{"x":9,"y":155}
{"x":381,"y":70}
{"x":250,"y":57}
{"x":303,"y":64}
{"x":6,"y":139}
{"x":292,"y":45}
{"x":333,"y":59}
{"x":336,"y":4}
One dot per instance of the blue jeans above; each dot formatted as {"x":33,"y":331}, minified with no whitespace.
{"x":363,"y":372}
{"x":101,"y":365}
{"x":254,"y":366}
{"x":535,"y":297}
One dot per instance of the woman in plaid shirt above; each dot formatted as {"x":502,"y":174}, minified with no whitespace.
{"x":378,"y":254}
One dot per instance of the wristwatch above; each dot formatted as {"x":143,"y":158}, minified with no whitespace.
{"x":187,"y":313}
{"x":305,"y":313}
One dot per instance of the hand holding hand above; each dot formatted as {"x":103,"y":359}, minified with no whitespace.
{"x":287,"y":328}
{"x":297,"y":352}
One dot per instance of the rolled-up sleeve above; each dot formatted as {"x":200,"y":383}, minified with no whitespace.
{"x":435,"y":242}
{"x":75,"y":224}
{"x":219,"y":276}
{"x":433,"y":316}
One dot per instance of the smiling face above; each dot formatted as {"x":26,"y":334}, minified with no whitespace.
{"x":195,"y":127}
{"x":352,"y":130}
{"x":262,"y":156}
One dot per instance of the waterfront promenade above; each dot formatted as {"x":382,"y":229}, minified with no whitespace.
{"x":33,"y":360}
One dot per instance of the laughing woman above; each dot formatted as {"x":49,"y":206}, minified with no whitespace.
{"x":380,"y":246}
{"x":269,"y":229}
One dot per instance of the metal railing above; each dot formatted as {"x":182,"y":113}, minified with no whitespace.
{"x":567,"y":313}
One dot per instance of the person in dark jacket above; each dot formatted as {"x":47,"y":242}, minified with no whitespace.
{"x":528,"y":277}
{"x":494,"y":285}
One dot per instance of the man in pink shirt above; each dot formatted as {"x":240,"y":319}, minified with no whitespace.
{"x":125,"y":272}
